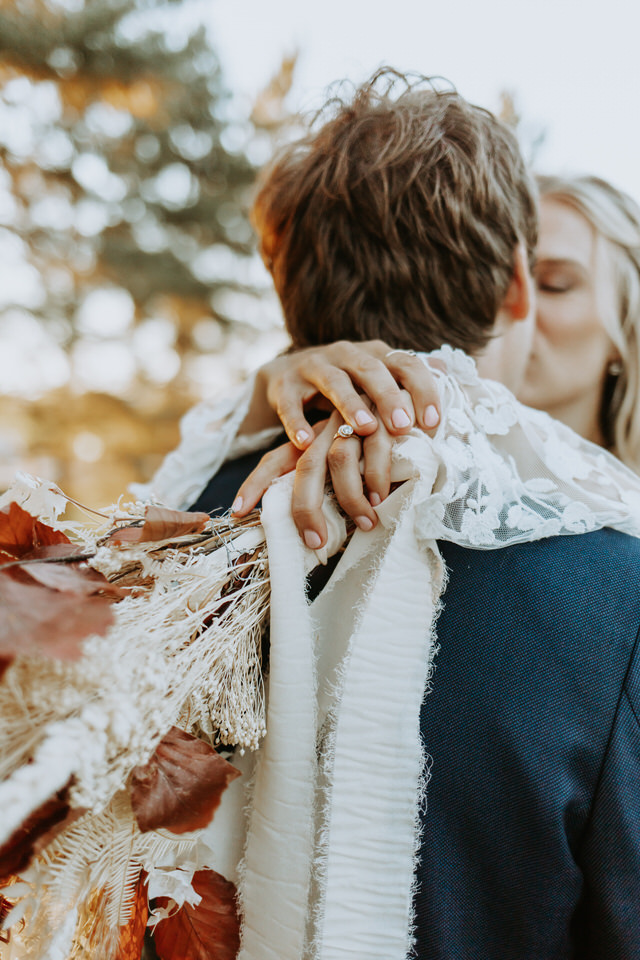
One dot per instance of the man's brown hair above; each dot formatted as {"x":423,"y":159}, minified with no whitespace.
{"x":397,"y":219}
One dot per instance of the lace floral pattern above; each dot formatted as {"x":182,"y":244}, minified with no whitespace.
{"x":509,"y":474}
{"x":505,"y":473}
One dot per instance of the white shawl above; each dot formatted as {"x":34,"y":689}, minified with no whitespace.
{"x":332,"y":823}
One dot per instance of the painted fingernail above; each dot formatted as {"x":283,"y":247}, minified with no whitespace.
{"x":400,"y":418}
{"x":362,"y":417}
{"x":237,"y":505}
{"x":364,"y":523}
{"x":312,"y":539}
{"x":375,"y":499}
{"x":302,"y":436}
{"x":431,"y":416}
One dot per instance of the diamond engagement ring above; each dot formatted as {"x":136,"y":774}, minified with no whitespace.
{"x":343,"y":432}
{"x":409,"y":353}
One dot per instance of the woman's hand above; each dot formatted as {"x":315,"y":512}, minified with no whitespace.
{"x":328,"y":455}
{"x":341,"y":372}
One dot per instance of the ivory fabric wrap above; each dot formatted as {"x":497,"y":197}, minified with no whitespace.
{"x":279,"y":847}
{"x":347,"y":677}
{"x":376,"y":762}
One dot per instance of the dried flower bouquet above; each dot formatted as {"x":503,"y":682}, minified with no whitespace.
{"x":130,"y":656}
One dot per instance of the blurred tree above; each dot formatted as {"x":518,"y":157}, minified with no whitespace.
{"x":125,"y":172}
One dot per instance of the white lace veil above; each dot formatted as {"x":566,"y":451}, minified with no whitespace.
{"x":506,"y":473}
{"x":509,"y":474}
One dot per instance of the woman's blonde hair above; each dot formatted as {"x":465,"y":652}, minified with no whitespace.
{"x":616,"y":219}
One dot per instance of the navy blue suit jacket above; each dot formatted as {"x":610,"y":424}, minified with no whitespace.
{"x":531,"y":837}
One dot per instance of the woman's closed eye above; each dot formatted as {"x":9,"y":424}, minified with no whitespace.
{"x":555,"y":286}
{"x":558,"y":278}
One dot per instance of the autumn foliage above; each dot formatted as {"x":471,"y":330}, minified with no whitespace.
{"x":36,"y":832}
{"x":210,"y":931}
{"x":42,"y":578}
{"x":161,"y":523}
{"x":51,"y":599}
{"x":181,"y":785}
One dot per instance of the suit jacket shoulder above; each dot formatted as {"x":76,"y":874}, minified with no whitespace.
{"x":535,"y":755}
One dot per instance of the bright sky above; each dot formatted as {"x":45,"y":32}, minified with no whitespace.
{"x":573,"y":65}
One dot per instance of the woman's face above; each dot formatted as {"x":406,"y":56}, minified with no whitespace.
{"x":571,"y":349}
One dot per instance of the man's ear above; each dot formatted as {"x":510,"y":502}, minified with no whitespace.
{"x":518,"y":301}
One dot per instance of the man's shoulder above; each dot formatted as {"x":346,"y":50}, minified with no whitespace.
{"x":561,"y":618}
{"x":598,"y":546}
{"x":598,"y":551}
{"x":589,"y":582}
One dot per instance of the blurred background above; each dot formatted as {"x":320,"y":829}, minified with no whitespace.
{"x":131,"y":133}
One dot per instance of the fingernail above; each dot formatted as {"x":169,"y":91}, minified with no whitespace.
{"x":363,"y":417}
{"x":237,"y":505}
{"x":375,"y":499}
{"x":312,"y":539}
{"x":431,"y":416}
{"x":364,"y":523}
{"x":400,"y":418}
{"x":302,"y":436}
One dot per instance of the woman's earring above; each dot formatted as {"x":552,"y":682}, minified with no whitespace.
{"x":615,"y":368}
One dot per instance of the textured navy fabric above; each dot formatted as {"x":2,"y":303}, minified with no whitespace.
{"x":531,"y":837}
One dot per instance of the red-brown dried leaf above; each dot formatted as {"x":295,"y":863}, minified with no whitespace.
{"x":20,"y":533}
{"x":23,"y":844}
{"x":57,"y":551}
{"x":210,"y":931}
{"x":72,"y":578}
{"x":181,"y":785}
{"x":35,"y":620}
{"x":161,"y":524}
{"x":5,"y":909}
{"x":131,"y":938}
